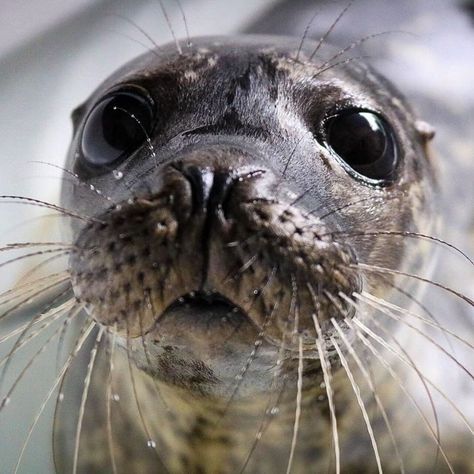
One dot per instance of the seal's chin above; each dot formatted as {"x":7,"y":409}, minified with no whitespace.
{"x":203,"y":343}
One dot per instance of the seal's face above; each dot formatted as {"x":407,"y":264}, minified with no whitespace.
{"x":238,"y":191}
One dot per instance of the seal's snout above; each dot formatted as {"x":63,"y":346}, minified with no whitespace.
{"x":221,"y":230}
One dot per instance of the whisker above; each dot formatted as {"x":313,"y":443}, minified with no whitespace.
{"x":436,"y":325}
{"x":266,"y":418}
{"x":33,"y":254}
{"x":141,"y":30}
{"x":147,"y":136}
{"x":421,"y":333}
{"x":31,"y":298}
{"x":299,"y":395}
{"x":400,"y":383}
{"x":185,"y":22}
{"x":305,"y":35}
{"x":414,"y":235}
{"x":409,"y":362}
{"x":170,"y":27}
{"x":79,"y":344}
{"x":11,"y":199}
{"x":258,"y":342}
{"x":371,"y":385}
{"x":44,"y":263}
{"x":330,"y":30}
{"x":19,"y":291}
{"x":422,"y":307}
{"x":376,"y":269}
{"x":30,"y":363}
{"x":47,"y":319}
{"x":22,"y":245}
{"x":76,"y":177}
{"x":353,"y":45}
{"x":110,"y":441}
{"x":85,"y":393}
{"x":150,"y":441}
{"x":356,"y":391}
{"x":326,"y":368}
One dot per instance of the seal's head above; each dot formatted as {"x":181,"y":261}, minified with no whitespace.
{"x":239,"y":188}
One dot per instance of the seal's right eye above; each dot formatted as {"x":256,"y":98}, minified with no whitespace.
{"x":117,"y":126}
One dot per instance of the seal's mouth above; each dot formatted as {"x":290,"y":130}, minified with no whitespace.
{"x":220,"y":239}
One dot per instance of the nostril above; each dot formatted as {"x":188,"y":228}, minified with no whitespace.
{"x":201,"y":181}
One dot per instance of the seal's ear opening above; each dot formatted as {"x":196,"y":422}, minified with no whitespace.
{"x":76,"y":116}
{"x":425,"y":130}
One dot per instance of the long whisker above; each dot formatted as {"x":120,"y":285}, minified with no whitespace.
{"x":398,"y":309}
{"x":79,"y":344}
{"x":376,"y":269}
{"x":170,"y":27}
{"x":305,"y":35}
{"x":34,"y":254}
{"x":325,"y":366}
{"x":353,"y":45}
{"x":76,"y":177}
{"x":330,"y":30}
{"x":11,"y":199}
{"x":240,"y":376}
{"x":413,"y":235}
{"x":19,"y":291}
{"x":408,"y":361}
{"x":185,"y":22}
{"x":421,"y":333}
{"x":422,"y":306}
{"x":47,"y":319}
{"x":299,"y":394}
{"x":85,"y":393}
{"x":402,"y":387}
{"x":356,"y":390}
{"x":30,"y":298}
{"x":150,"y":441}
{"x":35,"y":356}
{"x":371,"y":385}
{"x":36,"y":268}
{"x":110,"y":441}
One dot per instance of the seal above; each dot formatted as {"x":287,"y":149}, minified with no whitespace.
{"x":233,"y":211}
{"x":222,"y":265}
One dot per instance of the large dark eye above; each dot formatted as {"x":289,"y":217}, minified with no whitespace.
{"x":366,"y":142}
{"x":118,"y":125}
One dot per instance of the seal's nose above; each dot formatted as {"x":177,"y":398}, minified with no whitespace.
{"x":209,"y":188}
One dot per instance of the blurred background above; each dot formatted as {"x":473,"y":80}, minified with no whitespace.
{"x":54,"y":53}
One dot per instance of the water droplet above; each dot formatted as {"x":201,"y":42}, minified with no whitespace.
{"x":274,"y":411}
{"x":115,"y":397}
{"x":61,"y":397}
{"x":130,"y":201}
{"x":151,"y":444}
{"x":322,"y":385}
{"x":92,"y":187}
{"x":5,"y":401}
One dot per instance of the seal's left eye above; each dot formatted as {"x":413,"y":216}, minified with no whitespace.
{"x":366,"y":142}
{"x":118,"y":125}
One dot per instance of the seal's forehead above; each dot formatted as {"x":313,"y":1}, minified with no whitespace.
{"x":229,"y":56}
